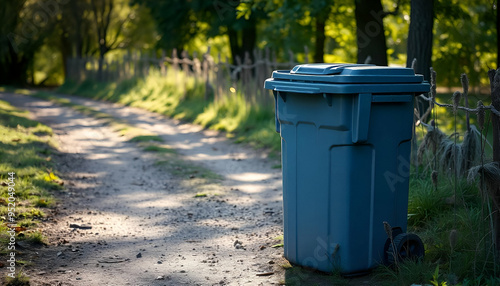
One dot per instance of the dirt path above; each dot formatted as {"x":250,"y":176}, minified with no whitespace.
{"x":147,"y":227}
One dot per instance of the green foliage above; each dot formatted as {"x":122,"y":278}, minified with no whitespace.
{"x":426,"y":202}
{"x":182,"y":98}
{"x":465,"y":41}
{"x":146,"y":138}
{"x":19,"y":280}
{"x":153,"y":148}
{"x":408,"y":273}
{"x":435,"y":278}
{"x":25,"y":149}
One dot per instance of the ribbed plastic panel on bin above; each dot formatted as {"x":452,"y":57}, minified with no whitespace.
{"x":346,"y":132}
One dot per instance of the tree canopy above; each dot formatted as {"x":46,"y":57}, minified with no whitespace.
{"x":37,"y":36}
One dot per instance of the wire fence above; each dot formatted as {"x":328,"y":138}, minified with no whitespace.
{"x":219,"y":75}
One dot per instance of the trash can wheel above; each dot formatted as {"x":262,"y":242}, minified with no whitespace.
{"x":405,"y":246}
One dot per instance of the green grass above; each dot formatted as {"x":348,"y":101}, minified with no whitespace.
{"x":184,"y":98}
{"x":125,"y":129}
{"x":195,"y":177}
{"x":154,"y":148}
{"x":146,"y":138}
{"x":433,"y":211}
{"x":433,"y":214}
{"x":26,"y":147}
{"x":19,"y":280}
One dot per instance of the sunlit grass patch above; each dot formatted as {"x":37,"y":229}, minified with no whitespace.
{"x":160,"y":149}
{"x":146,"y":138}
{"x":20,"y":279}
{"x":118,"y":125}
{"x":26,"y":147}
{"x":183,"y":97}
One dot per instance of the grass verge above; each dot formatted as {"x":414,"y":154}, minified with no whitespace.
{"x":118,"y":125}
{"x":26,"y":147}
{"x":184,"y":98}
{"x":194,"y":177}
{"x":434,"y":213}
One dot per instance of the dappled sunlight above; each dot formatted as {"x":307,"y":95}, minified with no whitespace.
{"x":250,"y":177}
{"x":149,"y":199}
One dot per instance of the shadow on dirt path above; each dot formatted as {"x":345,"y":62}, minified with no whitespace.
{"x":123,"y":220}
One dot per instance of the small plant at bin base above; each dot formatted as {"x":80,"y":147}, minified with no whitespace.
{"x":19,"y":280}
{"x":435,"y":278}
{"x":388,"y":231}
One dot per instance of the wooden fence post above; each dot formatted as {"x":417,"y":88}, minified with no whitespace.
{"x":162,"y":63}
{"x":175,"y":64}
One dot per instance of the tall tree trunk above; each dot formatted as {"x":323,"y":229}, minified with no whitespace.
{"x":495,"y":120}
{"x":319,"y":48}
{"x":420,"y":41}
{"x":498,"y":37}
{"x":420,"y":36}
{"x":233,"y":43}
{"x":249,"y":38}
{"x":370,"y":36}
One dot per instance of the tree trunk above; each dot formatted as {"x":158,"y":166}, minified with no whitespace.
{"x":370,"y":36}
{"x":233,"y":44}
{"x":495,"y":120}
{"x":420,"y":36}
{"x":319,"y":49}
{"x":498,"y":38}
{"x":249,"y":39}
{"x":420,"y":41}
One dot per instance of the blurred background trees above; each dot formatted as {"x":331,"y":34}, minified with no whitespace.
{"x":38,"y":36}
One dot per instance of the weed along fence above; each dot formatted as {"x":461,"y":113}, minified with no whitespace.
{"x":220,"y":76}
{"x":450,"y":158}
{"x":454,"y":183}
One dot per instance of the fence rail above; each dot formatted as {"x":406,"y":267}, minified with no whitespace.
{"x":219,"y":75}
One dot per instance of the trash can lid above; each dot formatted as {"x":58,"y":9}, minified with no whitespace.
{"x":321,"y":69}
{"x":350,"y":73}
{"x":347,"y":78}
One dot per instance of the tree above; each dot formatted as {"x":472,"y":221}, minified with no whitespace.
{"x":102,"y":11}
{"x":420,"y":36}
{"x":498,"y":33}
{"x":75,"y":35}
{"x":25,"y":25}
{"x":466,"y":41}
{"x":179,"y":21}
{"x":420,"y":41}
{"x":370,"y":33}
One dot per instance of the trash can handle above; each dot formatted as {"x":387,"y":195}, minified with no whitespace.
{"x":297,"y":89}
{"x":361,"y":117}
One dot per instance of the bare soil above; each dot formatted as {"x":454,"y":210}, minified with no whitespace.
{"x":123,"y":220}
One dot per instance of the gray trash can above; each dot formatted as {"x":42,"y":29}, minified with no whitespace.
{"x":346,"y":131}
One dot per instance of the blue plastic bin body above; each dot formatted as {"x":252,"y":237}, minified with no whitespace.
{"x":346,"y":132}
